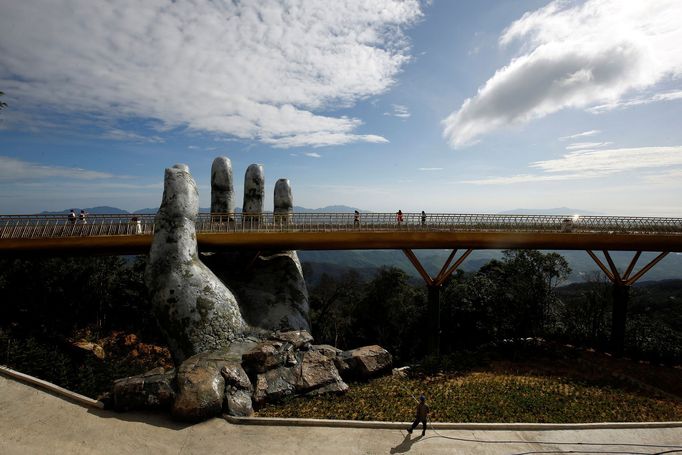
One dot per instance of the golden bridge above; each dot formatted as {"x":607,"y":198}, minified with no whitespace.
{"x":132,"y":234}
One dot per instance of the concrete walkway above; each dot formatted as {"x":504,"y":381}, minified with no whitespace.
{"x":33,"y":421}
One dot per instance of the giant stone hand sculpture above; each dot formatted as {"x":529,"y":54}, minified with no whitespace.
{"x":195,"y":310}
{"x":272,"y":293}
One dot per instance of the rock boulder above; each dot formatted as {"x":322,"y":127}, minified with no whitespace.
{"x":363,"y":363}
{"x":201,"y":385}
{"x":152,"y":390}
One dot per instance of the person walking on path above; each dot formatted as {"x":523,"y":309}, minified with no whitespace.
{"x":422,"y":413}
{"x":81,"y":217}
{"x":356,"y":219}
{"x":399,"y":217}
{"x":72,"y":217}
{"x":423,"y":218}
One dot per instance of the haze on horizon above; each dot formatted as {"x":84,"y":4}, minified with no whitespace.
{"x":391,"y":104}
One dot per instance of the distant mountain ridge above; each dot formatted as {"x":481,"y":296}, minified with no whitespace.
{"x":555,"y":211}
{"x":107,"y":210}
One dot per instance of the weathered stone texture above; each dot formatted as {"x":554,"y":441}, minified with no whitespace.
{"x":151,"y":390}
{"x":222,"y":188}
{"x":194,"y":308}
{"x":254,"y":190}
{"x":201,"y":385}
{"x":364,"y":362}
{"x":238,"y":390}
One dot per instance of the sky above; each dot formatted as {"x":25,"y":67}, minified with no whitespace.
{"x":442,"y":106}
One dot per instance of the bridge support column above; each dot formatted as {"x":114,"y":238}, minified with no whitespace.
{"x":433,"y":286}
{"x":433,"y":312}
{"x":621,"y":297}
{"x":621,"y":293}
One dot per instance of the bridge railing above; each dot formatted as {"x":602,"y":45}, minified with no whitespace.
{"x":50,"y":226}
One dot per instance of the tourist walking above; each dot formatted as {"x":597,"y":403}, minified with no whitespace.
{"x":72,"y":217}
{"x":421,"y":415}
{"x":399,"y":217}
{"x":356,"y":219}
{"x":423,"y":218}
{"x":81,"y":217}
{"x":137,"y":225}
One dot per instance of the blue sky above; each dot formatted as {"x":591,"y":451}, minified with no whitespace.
{"x":443,"y":106}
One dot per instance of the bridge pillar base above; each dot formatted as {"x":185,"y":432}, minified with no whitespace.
{"x":621,"y":297}
{"x":433,"y":314}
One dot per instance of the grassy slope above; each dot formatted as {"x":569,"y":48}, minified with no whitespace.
{"x":588,"y":387}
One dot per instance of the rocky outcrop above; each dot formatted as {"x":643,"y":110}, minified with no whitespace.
{"x":152,"y":390}
{"x":363,"y":363}
{"x":201,"y":385}
{"x":286,"y":365}
{"x":238,"y":390}
{"x":246,"y":374}
{"x":195,"y":310}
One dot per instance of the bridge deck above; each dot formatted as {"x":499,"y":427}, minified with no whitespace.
{"x":122,"y":234}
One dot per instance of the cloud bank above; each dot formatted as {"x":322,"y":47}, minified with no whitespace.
{"x":14,"y":170}
{"x":574,"y":55}
{"x":254,"y":70}
{"x":585,"y":164}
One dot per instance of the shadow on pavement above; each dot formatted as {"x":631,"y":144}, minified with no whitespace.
{"x":406,"y":444}
{"x":155,"y":419}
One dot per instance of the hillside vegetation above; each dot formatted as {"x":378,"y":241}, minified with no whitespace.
{"x":83,"y":322}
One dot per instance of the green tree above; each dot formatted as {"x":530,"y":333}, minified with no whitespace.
{"x":332,"y":305}
{"x":585,"y":311}
{"x":391,"y":314}
{"x":510,"y":298}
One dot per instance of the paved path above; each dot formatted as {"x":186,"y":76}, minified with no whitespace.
{"x":35,"y":422}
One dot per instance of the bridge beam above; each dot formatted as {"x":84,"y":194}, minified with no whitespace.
{"x":621,"y":293}
{"x":433,"y":287}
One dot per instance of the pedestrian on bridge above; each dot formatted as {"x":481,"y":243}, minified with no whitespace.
{"x":423,"y":218}
{"x":81,"y":217}
{"x":421,"y":415}
{"x":399,"y":217}
{"x":356,"y":219}
{"x":72,"y":217}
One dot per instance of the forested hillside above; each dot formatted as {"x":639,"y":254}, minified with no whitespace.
{"x":53,"y":307}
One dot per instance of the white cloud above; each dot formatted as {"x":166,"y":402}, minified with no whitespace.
{"x":613,"y":160}
{"x":14,"y":170}
{"x":586,"y":164}
{"x":320,"y":139}
{"x":430,"y":169}
{"x":586,"y":145}
{"x":580,"y":135}
{"x":123,"y":135}
{"x":526,"y":178}
{"x":313,"y":155}
{"x":254,"y":70}
{"x":665,"y":96}
{"x":667,"y":178}
{"x":574,"y":56}
{"x":399,"y":111}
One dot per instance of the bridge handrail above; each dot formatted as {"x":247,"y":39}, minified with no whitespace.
{"x":51,"y":226}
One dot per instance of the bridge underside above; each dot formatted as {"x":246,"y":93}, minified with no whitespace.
{"x":140,"y":244}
